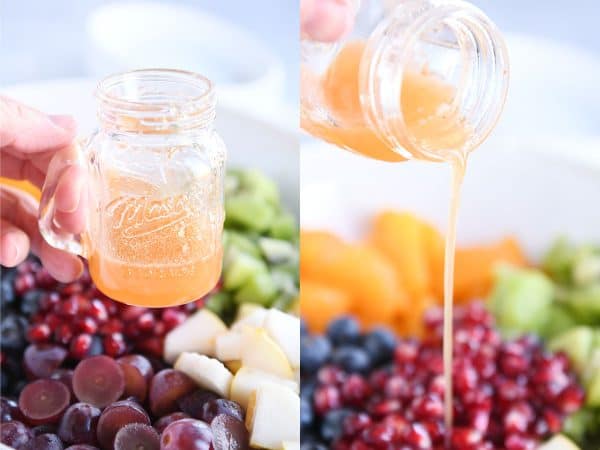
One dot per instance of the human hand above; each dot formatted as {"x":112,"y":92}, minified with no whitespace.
{"x":29,"y":142}
{"x":326,"y":20}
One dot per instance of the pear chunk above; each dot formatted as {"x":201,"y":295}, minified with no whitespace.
{"x":269,"y":429}
{"x":261,"y":352}
{"x":209,"y":373}
{"x":254,"y":319}
{"x":285,"y":331}
{"x":228,"y":346}
{"x":247,"y":380}
{"x":196,"y":334}
{"x":558,"y":442}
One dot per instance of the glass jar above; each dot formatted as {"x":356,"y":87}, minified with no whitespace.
{"x":155,"y":190}
{"x":420,"y":79}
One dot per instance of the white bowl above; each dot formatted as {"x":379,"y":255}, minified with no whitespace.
{"x":141,"y":34}
{"x":251,"y":142}
{"x":521,"y":190}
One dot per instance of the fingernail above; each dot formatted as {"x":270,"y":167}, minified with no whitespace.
{"x":10,"y":254}
{"x":65,"y":122}
{"x":72,"y":204}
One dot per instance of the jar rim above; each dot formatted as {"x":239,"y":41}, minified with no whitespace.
{"x":193,"y":79}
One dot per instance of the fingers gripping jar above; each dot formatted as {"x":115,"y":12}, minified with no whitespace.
{"x":414,"y":79}
{"x":156,"y":170}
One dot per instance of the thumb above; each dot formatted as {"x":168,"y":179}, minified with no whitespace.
{"x":27,"y":130}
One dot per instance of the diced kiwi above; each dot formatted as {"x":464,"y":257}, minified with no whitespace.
{"x":577,"y":343}
{"x":232,"y":182}
{"x":559,"y":320}
{"x":243,"y":242}
{"x":240,"y":269}
{"x":263,"y":187}
{"x":284,"y":301}
{"x":284,"y":227}
{"x":277,"y":251}
{"x":584,"y":302}
{"x":221,"y":304}
{"x":249,"y":211}
{"x":259,"y":289}
{"x":586,"y":269}
{"x":593,"y":391}
{"x":576,"y":425}
{"x":559,"y":260}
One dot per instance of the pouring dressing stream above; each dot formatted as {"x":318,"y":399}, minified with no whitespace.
{"x":423,"y":80}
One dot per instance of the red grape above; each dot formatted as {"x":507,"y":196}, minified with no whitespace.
{"x":193,"y":403}
{"x":189,"y":434}
{"x":164,"y":421}
{"x":81,"y":447}
{"x":137,"y":436}
{"x":44,"y":441}
{"x":115,"y":417}
{"x":43,"y":359}
{"x":213,"y":408}
{"x":14,"y":434}
{"x":98,"y":380}
{"x":138,"y":373}
{"x":166,"y":388}
{"x":78,"y":424}
{"x":44,"y":401}
{"x":229,"y":432}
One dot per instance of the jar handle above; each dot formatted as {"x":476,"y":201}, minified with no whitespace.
{"x":59,"y":171}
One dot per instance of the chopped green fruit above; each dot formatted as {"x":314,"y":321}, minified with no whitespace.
{"x":586,"y":269}
{"x":593,"y":390}
{"x":285,"y":282}
{"x":240,"y":269}
{"x":559,"y":320}
{"x":284,"y":302}
{"x":255,"y":182}
{"x":584,"y":302}
{"x":277,"y":251}
{"x":259,"y":289}
{"x":520,"y":300}
{"x":284,"y":227}
{"x":249,"y":211}
{"x":577,"y":343}
{"x":576,"y":425}
{"x":221,"y":304}
{"x":232,"y":182}
{"x":243,"y":243}
{"x":559,"y":260}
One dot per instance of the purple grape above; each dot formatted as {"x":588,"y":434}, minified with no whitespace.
{"x":166,"y":388}
{"x":78,"y":424}
{"x":115,"y":417}
{"x":9,"y":410}
{"x":164,"y":421}
{"x":45,"y":441}
{"x":213,"y":408}
{"x":229,"y":433}
{"x":138,"y":373}
{"x":46,"y":428}
{"x":98,"y":380}
{"x":65,"y":376}
{"x":81,"y":447}
{"x":14,"y":434}
{"x":43,"y":359}
{"x":189,"y":434}
{"x":137,"y":436}
{"x":44,"y":401}
{"x":192,"y":403}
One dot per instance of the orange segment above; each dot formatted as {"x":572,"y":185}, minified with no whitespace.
{"x":320,"y":303}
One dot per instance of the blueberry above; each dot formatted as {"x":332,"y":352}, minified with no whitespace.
{"x":313,"y":445}
{"x":12,"y":332}
{"x":96,"y":346}
{"x":351,"y":358}
{"x":306,"y":413}
{"x":303,"y":327}
{"x":7,"y":291}
{"x":30,"y":303}
{"x":314,"y":352}
{"x":308,"y":386}
{"x":380,"y":344}
{"x":331,"y":427}
{"x":344,"y":330}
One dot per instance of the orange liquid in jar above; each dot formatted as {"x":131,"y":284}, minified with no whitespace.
{"x":423,"y":102}
{"x":154,"y":249}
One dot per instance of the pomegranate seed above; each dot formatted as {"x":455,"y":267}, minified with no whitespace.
{"x":355,"y":390}
{"x":385,"y":407}
{"x":436,"y":430}
{"x":86,"y":325}
{"x":43,"y":279}
{"x":23,"y":283}
{"x":398,"y":423}
{"x":326,"y":398}
{"x":479,"y":419}
{"x":378,"y":379}
{"x":68,"y":307}
{"x":465,"y":376}
{"x":39,"y":333}
{"x":81,"y":345}
{"x":359,"y":445}
{"x":98,"y":311}
{"x":330,"y":375}
{"x":437,"y":385}
{"x":52,"y":320}
{"x":49,"y":301}
{"x":464,"y":438}
{"x":518,"y":418}
{"x":172,"y":317}
{"x":111,"y":326}
{"x":63,"y":334}
{"x":130,"y":313}
{"x":159,"y":329}
{"x":406,"y":352}
{"x":111,"y":307}
{"x":570,"y":399}
{"x":355,"y":423}
{"x":417,"y":436}
{"x":152,"y":346}
{"x":379,"y":435}
{"x":146,"y":322}
{"x":71,"y":288}
{"x":397,"y":386}
{"x":114,"y":344}
{"x":519,"y":442}
{"x":433,"y":318}
{"x":428,"y":407}
{"x":553,"y":420}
